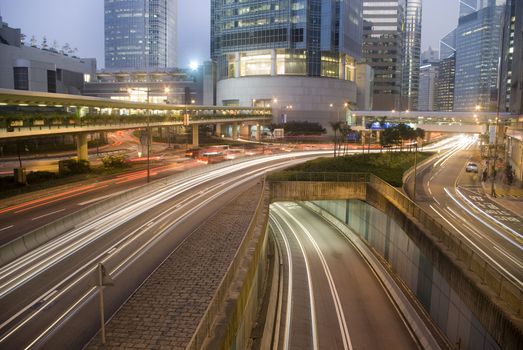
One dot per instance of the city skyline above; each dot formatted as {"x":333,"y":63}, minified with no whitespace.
{"x":439,"y":17}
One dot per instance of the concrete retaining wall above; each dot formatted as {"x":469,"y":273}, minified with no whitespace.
{"x":495,"y":302}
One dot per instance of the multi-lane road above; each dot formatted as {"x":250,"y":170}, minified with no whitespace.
{"x":458,"y":200}
{"x":330,"y":297}
{"x":46,"y":286}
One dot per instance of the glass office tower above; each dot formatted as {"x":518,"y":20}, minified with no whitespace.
{"x":140,"y":34}
{"x":383,"y":48}
{"x":261,"y":48}
{"x":412,"y":47}
{"x":478,"y":39}
{"x":277,"y":37}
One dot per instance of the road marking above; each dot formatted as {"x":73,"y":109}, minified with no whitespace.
{"x":311,"y":289}
{"x":488,"y":215}
{"x":508,"y":256}
{"x":477,"y":247}
{"x":483,"y":221}
{"x":435,"y":200}
{"x":332,"y":286}
{"x":7,"y":227}
{"x":289,"y":286}
{"x":51,"y":213}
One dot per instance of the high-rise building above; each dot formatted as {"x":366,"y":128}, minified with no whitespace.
{"x":466,"y":7}
{"x":140,"y":34}
{"x":516,"y":78}
{"x":444,"y":99}
{"x":427,"y":87}
{"x":383,"y":50}
{"x":429,"y":56}
{"x":298,"y":56}
{"x":412,"y":47}
{"x":510,"y":35}
{"x":478,"y":39}
{"x":447,"y":45}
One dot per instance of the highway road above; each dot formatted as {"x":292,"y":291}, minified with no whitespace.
{"x":457,"y":199}
{"x":42,"y":289}
{"x":330,"y":297}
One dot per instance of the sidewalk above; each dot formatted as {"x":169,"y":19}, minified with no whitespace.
{"x":165,"y":311}
{"x":508,"y":196}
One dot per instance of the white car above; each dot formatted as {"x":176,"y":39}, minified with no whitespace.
{"x":471,"y":167}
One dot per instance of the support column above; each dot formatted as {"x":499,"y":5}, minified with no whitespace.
{"x":273,"y":62}
{"x":342,"y":67}
{"x":258,"y":132}
{"x":235,"y":131}
{"x":237,"y":65}
{"x":218,"y":130}
{"x":378,"y":136}
{"x":81,"y":147}
{"x":245,"y":131}
{"x":195,"y":141}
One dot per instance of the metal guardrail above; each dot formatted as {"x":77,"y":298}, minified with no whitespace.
{"x":501,"y":285}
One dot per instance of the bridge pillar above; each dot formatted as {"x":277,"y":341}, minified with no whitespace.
{"x":218,"y":130}
{"x":245,"y":131}
{"x":81,"y":146}
{"x":195,"y":141}
{"x":378,"y":136}
{"x":258,"y":132}
{"x":235,"y":131}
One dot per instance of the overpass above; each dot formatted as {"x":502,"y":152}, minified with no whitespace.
{"x":28,"y":114}
{"x":431,"y":121}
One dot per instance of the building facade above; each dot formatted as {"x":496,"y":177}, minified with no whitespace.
{"x":383,"y":50}
{"x":31,"y":68}
{"x":478,"y":38}
{"x":300,"y":56}
{"x":411,"y":57}
{"x":447,"y":45}
{"x":444,"y":90}
{"x":427,"y":87}
{"x":168,"y":85}
{"x":140,"y":34}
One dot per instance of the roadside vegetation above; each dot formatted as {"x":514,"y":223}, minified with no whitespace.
{"x":388,"y":166}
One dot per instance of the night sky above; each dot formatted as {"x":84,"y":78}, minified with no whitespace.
{"x":80,"y":23}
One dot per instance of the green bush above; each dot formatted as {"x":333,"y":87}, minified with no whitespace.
{"x":388,"y":166}
{"x":115,"y":161}
{"x":73,"y":166}
{"x":40,"y":176}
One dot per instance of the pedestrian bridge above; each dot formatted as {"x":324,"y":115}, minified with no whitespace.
{"x":28,"y":114}
{"x":430,"y":121}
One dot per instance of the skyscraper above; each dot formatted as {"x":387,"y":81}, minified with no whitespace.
{"x":383,"y":50}
{"x":478,"y":39}
{"x":444,"y":99}
{"x":447,"y":45}
{"x":297,"y":56}
{"x":412,"y":47}
{"x":140,"y":34}
{"x":427,"y":87}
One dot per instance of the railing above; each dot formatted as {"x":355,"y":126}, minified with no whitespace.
{"x":502,"y":286}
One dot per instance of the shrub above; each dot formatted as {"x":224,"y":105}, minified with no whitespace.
{"x":73,"y":166}
{"x":115,"y":161}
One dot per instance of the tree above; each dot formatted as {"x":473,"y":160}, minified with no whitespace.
{"x":335,"y":127}
{"x":44,"y":43}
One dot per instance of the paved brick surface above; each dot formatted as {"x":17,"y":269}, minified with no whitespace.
{"x":165,"y":311}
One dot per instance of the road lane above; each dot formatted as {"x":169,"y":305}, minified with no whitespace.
{"x":457,"y":200}
{"x":121,"y":237}
{"x":352,"y":309}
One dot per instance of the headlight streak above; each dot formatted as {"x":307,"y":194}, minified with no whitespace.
{"x":113,"y":248}
{"x":517,"y":234}
{"x":516,"y":244}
